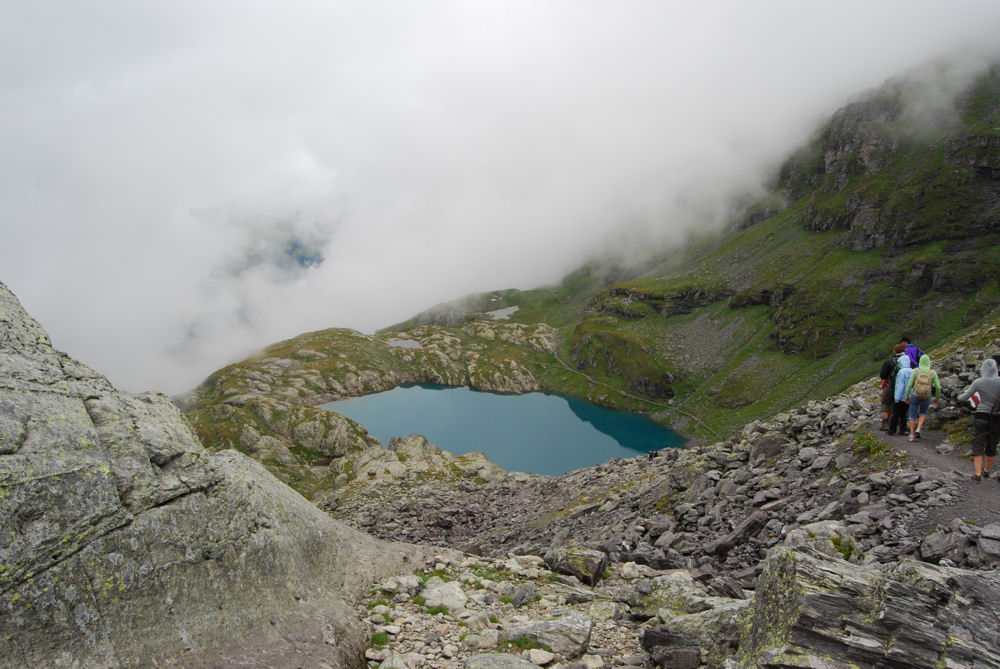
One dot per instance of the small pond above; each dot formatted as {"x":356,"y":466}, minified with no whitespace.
{"x":538,"y":432}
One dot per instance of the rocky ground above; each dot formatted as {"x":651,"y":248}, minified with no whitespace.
{"x":976,"y":504}
{"x":712,"y":513}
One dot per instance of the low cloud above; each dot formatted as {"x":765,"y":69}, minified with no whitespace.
{"x":183,"y":183}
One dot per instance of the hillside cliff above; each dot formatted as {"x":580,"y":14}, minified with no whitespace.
{"x":126,"y":543}
{"x":886,"y":223}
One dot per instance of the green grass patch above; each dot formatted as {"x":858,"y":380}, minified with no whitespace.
{"x":522,"y":644}
{"x":876,"y":452}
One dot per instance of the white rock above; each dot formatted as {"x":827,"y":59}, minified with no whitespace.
{"x":630,"y":570}
{"x":540,"y":657}
{"x":376,"y":654}
{"x":486,"y":639}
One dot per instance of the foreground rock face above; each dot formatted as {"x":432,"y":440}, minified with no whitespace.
{"x":124,"y":543}
{"x":812,"y":610}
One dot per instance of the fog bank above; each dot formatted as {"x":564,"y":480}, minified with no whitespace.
{"x":184,"y":182}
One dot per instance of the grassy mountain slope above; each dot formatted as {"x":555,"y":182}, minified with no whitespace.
{"x":880,"y":226}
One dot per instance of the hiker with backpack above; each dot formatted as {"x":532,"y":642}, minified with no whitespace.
{"x":888,"y":375}
{"x":912,"y":350}
{"x":922,"y":384}
{"x":986,"y":419}
{"x":897,"y":424}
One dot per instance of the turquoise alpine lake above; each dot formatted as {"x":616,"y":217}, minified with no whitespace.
{"x":539,"y":433}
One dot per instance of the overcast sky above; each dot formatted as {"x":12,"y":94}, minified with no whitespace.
{"x":182,"y":182}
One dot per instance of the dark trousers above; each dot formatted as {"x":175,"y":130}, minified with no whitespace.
{"x":897,"y":423}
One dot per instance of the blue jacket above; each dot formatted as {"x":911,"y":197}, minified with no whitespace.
{"x":902,"y":378}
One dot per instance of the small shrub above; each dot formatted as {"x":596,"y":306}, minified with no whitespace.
{"x":523,"y":643}
{"x":380,"y":639}
{"x":434,"y":610}
{"x":443,"y":574}
{"x":845,"y":548}
{"x":878,"y":452}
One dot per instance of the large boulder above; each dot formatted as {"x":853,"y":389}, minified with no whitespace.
{"x":124,"y":543}
{"x":587,"y":564}
{"x":564,"y":632}
{"x":815,"y":610}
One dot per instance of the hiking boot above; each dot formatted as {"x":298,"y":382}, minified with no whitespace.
{"x":884,"y":426}
{"x":977,"y":479}
{"x":911,"y":437}
{"x":917,"y":434}
{"x":986,"y":475}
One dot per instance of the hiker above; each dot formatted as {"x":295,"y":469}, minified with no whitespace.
{"x":897,"y":424}
{"x":888,"y":375}
{"x":985,"y":429}
{"x":923,"y":382}
{"x":912,"y":350}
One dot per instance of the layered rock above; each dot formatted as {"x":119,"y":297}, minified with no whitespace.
{"x":812,"y":610}
{"x":125,"y":543}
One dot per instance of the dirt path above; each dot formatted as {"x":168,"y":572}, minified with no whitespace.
{"x":980,"y":505}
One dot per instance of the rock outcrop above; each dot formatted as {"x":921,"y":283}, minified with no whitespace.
{"x":813,"y":610}
{"x":814,"y":605}
{"x":125,"y":543}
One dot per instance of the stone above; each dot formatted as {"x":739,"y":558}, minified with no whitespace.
{"x":396,"y":661}
{"x":565,"y":633}
{"x":523,"y":593}
{"x":540,"y":657}
{"x":944,"y":544}
{"x":747,"y":528}
{"x":448,"y":594}
{"x":766,"y":446}
{"x":586,"y":564}
{"x":630,"y":570}
{"x":488,"y":638}
{"x":478,"y":621}
{"x":497,"y":661}
{"x":670,"y":649}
